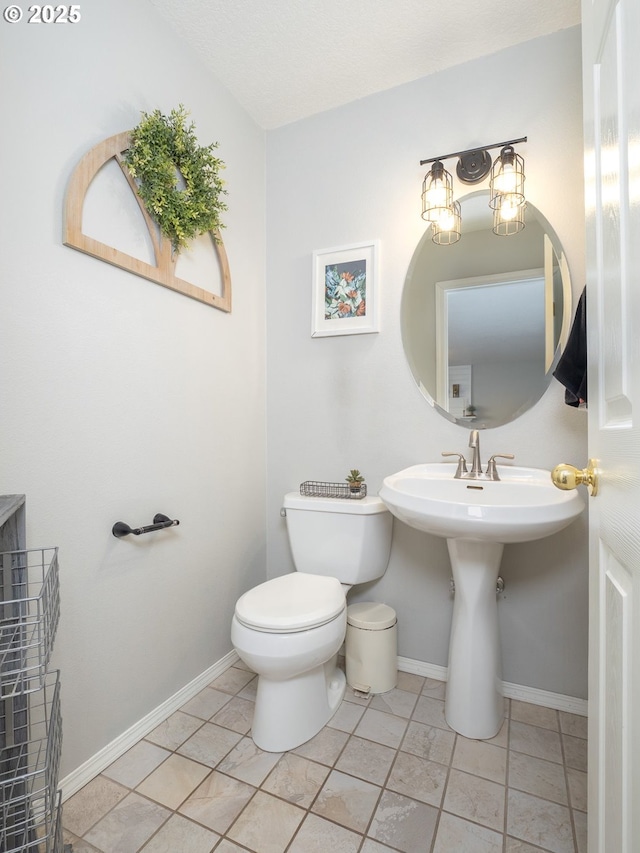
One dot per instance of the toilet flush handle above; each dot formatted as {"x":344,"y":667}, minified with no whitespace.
{"x":283,"y":512}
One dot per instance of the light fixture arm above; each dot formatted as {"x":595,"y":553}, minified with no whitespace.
{"x":473,"y":150}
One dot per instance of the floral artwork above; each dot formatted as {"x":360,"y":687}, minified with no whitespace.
{"x":344,"y":290}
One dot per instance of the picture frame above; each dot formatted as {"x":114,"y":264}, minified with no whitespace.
{"x":345,"y":285}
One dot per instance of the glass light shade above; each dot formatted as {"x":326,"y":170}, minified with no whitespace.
{"x":446,"y":229}
{"x":437,"y":192}
{"x":508,"y":218}
{"x":507,"y":178}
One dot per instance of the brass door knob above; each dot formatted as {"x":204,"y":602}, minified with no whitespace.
{"x":567,"y":477}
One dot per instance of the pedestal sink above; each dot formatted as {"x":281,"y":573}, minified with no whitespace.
{"x":478,"y":517}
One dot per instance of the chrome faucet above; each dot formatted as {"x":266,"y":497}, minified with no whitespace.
{"x":463,"y":473}
{"x":474,"y":442}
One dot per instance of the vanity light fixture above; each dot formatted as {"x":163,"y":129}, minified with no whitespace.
{"x":506,"y":190}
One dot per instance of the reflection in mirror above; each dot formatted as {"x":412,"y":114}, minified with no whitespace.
{"x":484,"y":320}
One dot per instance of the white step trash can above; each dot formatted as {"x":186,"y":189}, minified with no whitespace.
{"x":371,"y":647}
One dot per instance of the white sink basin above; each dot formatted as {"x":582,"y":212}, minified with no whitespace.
{"x":477,"y":518}
{"x":523,"y":505}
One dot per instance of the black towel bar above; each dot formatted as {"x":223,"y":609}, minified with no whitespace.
{"x":160,"y":521}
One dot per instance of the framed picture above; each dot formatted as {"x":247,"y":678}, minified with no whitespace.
{"x":345,"y":298}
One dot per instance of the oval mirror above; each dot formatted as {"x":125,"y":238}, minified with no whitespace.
{"x":484,"y":320}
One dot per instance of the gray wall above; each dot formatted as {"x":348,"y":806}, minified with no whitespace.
{"x":351,"y":175}
{"x":120,"y":398}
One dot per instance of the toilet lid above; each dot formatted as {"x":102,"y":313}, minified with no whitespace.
{"x":292,"y":602}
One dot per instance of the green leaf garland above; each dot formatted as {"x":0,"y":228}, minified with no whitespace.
{"x":164,"y":153}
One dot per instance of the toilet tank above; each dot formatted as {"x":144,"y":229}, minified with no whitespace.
{"x":346,"y":539}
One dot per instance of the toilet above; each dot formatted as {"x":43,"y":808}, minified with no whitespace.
{"x":289,"y":629}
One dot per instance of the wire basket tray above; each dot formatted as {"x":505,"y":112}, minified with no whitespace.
{"x":31,"y":739}
{"x":316,"y":489}
{"x":41,"y":832}
{"x":29,"y":613}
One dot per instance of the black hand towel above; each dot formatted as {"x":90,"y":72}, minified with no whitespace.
{"x":572,"y":367}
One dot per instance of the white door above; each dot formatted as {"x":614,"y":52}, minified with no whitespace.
{"x":611,"y":60}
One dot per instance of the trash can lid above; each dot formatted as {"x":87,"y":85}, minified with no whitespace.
{"x":371,"y":615}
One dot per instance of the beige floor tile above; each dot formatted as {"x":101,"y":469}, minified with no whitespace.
{"x":429,"y":742}
{"x":249,"y":763}
{"x":515,"y":845}
{"x":296,"y":779}
{"x":217,"y":802}
{"x":502,"y":738}
{"x":535,"y":715}
{"x":227,"y":846}
{"x":79,"y":844}
{"x":126,"y":828}
{"x":538,"y":777}
{"x":480,"y":759}
{"x":175,"y":730}
{"x":381,"y":728}
{"x":317,"y":835}
{"x":430,"y":711}
{"x":347,"y":801}
{"x":325,"y":747}
{"x":346,"y":717}
{"x":210,"y":744}
{"x":232,"y":680}
{"x":249,"y":692}
{"x":367,"y":760}
{"x":434,"y":689}
{"x":396,"y":701}
{"x":475,"y":799}
{"x":539,"y":822}
{"x":172,"y":782}
{"x":575,"y":752}
{"x":456,"y":835}
{"x":91,"y":803}
{"x":409,"y":681}
{"x":403,"y":824}
{"x":573,"y":724}
{"x":267,"y":824}
{"x":206,"y":703}
{"x":236,"y":715}
{"x":137,"y":763}
{"x":536,"y":741}
{"x":580,"y":821}
{"x":577,"y":780}
{"x":419,"y":778}
{"x":178,"y":833}
{"x":371,"y":846}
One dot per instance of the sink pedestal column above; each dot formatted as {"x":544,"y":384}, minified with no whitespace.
{"x":474,"y":705}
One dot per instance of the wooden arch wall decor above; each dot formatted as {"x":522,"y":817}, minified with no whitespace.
{"x":164,"y":271}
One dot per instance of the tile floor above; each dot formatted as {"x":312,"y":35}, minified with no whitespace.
{"x":386,"y":774}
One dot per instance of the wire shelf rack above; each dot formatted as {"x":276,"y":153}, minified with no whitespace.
{"x":317,"y":489}
{"x":31,"y":726}
{"x":40,"y":832}
{"x":29,"y":613}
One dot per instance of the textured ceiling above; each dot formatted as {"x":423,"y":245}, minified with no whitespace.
{"x":284,"y":60}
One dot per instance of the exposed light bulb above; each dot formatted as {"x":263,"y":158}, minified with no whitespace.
{"x":508,"y":209}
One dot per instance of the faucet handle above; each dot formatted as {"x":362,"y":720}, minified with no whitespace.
{"x":462,"y":464}
{"x":492,"y":471}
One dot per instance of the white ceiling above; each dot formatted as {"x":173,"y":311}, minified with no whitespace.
{"x":284,"y":60}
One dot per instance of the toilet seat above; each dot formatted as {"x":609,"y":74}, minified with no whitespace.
{"x":293,"y":602}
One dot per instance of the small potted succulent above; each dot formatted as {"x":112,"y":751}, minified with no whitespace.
{"x":355,"y":480}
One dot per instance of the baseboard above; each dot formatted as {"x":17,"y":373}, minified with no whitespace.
{"x":79,"y":777}
{"x":97,"y":763}
{"x":557,"y":701}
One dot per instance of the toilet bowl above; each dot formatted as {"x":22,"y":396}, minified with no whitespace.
{"x":289,"y":629}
